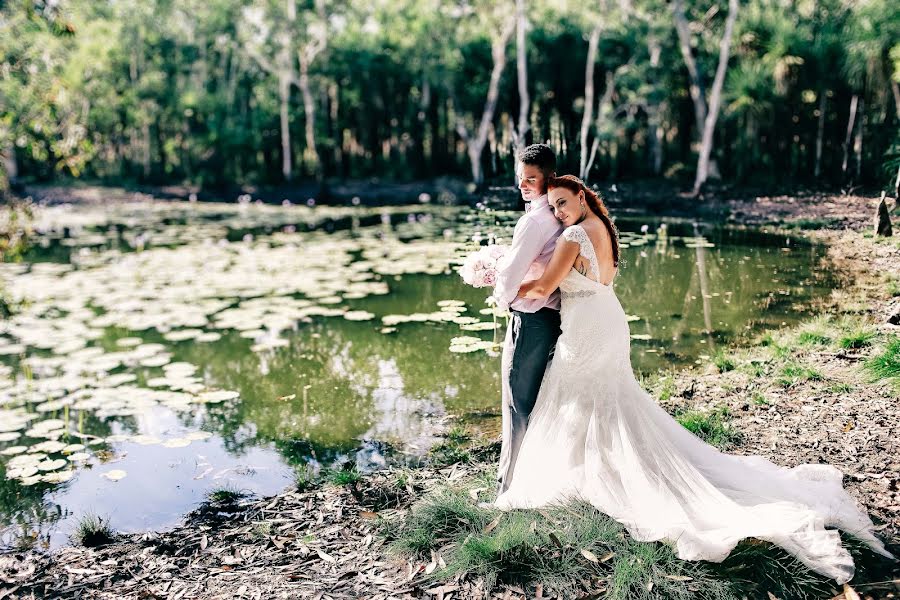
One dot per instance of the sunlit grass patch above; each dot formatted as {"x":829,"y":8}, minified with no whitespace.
{"x":712,"y":426}
{"x":92,"y":530}
{"x":886,"y":365}
{"x":856,"y":339}
{"x":840,"y":388}
{"x":724,"y":362}
{"x":812,"y":338}
{"x":792,"y":374}
{"x":760,"y":399}
{"x":572,"y":548}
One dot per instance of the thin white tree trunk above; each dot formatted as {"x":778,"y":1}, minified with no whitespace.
{"x":284,"y":94}
{"x":858,"y":142}
{"x":603,"y":110}
{"x":519,"y":131}
{"x":475,"y":144}
{"x":709,"y":126}
{"x":820,"y":131}
{"x":588,"y":116}
{"x":851,"y":121}
{"x":311,"y":155}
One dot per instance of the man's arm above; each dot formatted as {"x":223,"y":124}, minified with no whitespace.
{"x":526,"y":246}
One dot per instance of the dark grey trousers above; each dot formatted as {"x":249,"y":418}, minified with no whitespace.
{"x":530,"y":342}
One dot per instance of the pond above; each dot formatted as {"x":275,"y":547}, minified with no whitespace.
{"x":162,"y":350}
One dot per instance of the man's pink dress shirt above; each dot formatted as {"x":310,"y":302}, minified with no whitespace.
{"x":533,"y":242}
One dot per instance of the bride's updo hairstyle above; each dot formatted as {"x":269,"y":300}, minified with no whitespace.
{"x":575,"y":185}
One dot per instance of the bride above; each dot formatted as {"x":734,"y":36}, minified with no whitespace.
{"x":595,"y":433}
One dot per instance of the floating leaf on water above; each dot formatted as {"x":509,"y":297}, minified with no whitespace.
{"x":52,"y":465}
{"x":388,"y":330}
{"x":641,"y":336}
{"x":445,"y":303}
{"x":49,"y":446}
{"x":156,"y":361}
{"x":33,"y":479}
{"x":198,"y":435}
{"x":465,"y":320}
{"x":114,"y":475}
{"x":177,"y":443}
{"x":129,"y":342}
{"x":480,"y":326}
{"x":632,"y":318}
{"x":217,"y":396}
{"x":209,"y":336}
{"x":181,"y":335}
{"x":359,"y":315}
{"x":145,"y":439}
{"x":59,"y":476}
{"x":78,"y":457}
{"x":13,"y":450}
{"x":8,"y":436}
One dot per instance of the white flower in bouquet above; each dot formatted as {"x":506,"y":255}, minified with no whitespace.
{"x":479,"y":269}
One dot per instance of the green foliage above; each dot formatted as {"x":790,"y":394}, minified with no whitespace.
{"x":224,"y":495}
{"x":92,"y":530}
{"x":791,"y":374}
{"x":711,"y":426}
{"x":724,"y":363}
{"x":572,"y":544}
{"x":886,"y":365}
{"x":155,"y":91}
{"x":856,"y":339}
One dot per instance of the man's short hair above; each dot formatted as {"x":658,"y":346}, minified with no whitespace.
{"x":540,"y":156}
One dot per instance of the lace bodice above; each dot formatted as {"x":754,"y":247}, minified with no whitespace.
{"x":576,"y":233}
{"x":576,"y":285}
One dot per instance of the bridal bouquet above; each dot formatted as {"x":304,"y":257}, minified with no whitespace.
{"x":479,"y":269}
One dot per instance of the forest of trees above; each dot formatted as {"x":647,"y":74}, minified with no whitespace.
{"x":217,"y":92}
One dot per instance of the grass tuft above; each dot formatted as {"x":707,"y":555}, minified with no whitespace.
{"x":712,"y":426}
{"x":859,"y":338}
{"x":454,"y":449}
{"x":572,"y":548}
{"x":887,"y":364}
{"x":724,"y":363}
{"x":224,"y":495}
{"x":92,"y":531}
{"x":792,"y":374}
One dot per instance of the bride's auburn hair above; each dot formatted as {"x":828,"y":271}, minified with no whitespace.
{"x":575,"y":185}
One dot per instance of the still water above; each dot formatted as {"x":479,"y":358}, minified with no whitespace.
{"x":163,"y":349}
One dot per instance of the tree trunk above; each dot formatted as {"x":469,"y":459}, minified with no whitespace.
{"x":820,"y":131}
{"x":850,"y":122}
{"x":588,"y":116}
{"x":858,"y":142}
{"x":311,"y":155}
{"x":698,"y":94}
{"x":475,"y":145}
{"x":284,"y":93}
{"x":603,"y":109}
{"x":895,"y":88}
{"x":520,"y":131}
{"x":709,"y":126}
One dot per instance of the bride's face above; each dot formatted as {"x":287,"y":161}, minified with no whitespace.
{"x":567,"y":207}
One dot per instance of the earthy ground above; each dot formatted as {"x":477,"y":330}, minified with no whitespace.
{"x":324,"y":543}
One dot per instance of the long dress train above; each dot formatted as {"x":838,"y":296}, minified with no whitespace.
{"x":597,"y":435}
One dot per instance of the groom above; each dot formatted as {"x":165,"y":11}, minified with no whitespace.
{"x":534,"y":324}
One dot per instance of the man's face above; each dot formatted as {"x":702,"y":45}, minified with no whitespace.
{"x":531,"y":181}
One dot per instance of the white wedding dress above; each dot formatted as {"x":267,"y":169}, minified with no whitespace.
{"x":597,"y":435}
